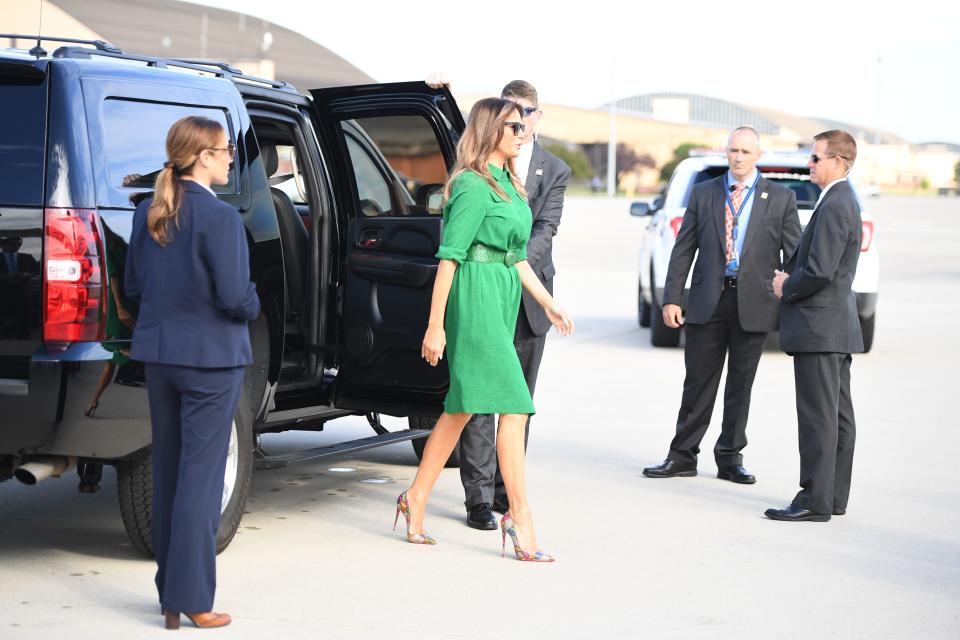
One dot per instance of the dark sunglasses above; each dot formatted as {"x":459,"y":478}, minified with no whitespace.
{"x":231,"y":150}
{"x":816,"y":159}
{"x":529,"y":111}
{"x":518,"y":127}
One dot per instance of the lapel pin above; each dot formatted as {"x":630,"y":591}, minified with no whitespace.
{"x":539,"y":172}
{"x":763,"y":196}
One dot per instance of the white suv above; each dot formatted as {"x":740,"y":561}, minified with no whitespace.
{"x":666,"y":215}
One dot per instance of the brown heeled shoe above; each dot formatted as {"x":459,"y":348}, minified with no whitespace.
{"x":208,"y":620}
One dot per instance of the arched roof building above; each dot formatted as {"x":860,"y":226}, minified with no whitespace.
{"x":705,"y":111}
{"x":173,"y":29}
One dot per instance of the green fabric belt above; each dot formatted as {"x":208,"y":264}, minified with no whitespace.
{"x":483,"y":253}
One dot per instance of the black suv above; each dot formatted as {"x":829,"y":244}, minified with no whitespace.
{"x":339,"y":190}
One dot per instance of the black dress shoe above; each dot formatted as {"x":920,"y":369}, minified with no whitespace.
{"x":839,"y":511}
{"x":736,"y":473}
{"x":480,"y":517}
{"x":501,"y":506}
{"x":793,"y":513}
{"x":671,"y":469}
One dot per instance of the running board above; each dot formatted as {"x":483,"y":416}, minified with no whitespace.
{"x":264,"y":461}
{"x":301,"y":418}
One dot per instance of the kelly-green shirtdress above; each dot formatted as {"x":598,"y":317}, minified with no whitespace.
{"x":485,"y":373}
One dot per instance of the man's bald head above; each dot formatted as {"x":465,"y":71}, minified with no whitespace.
{"x":743,"y":151}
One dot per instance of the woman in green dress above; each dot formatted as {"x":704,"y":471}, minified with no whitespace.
{"x":473,"y":314}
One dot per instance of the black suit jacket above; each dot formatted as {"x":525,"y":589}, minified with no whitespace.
{"x":195,"y":293}
{"x":545,"y":187}
{"x":774,"y":226}
{"x":26,"y":263}
{"x":818,"y":312}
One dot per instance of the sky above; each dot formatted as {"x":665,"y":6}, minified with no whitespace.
{"x":890,"y":65}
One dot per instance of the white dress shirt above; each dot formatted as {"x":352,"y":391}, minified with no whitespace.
{"x":212,"y":192}
{"x":825,"y":189}
{"x":522,"y":161}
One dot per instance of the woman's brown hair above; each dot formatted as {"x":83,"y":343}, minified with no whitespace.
{"x":481,"y":137}
{"x":186,"y":140}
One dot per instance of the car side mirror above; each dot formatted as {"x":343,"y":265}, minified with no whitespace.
{"x":429,"y":198}
{"x":640,"y":209}
{"x":657,"y":203}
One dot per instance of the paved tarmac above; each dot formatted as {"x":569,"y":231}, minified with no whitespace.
{"x":680,"y":558}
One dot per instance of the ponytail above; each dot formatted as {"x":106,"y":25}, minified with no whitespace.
{"x":168,"y":194}
{"x":186,"y":140}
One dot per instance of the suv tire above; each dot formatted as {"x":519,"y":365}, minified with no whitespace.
{"x":135,"y":487}
{"x":867,"y":326}
{"x":643,"y":308}
{"x":421,"y":422}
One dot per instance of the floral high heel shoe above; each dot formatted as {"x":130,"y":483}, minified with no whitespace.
{"x":404,"y":508}
{"x":508,"y":526}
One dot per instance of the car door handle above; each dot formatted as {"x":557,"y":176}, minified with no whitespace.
{"x":389,"y":269}
{"x":370,"y":239}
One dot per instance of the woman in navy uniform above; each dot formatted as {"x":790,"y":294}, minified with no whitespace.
{"x":188,"y":264}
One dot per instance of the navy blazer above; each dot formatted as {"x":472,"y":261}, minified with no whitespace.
{"x":195,"y":293}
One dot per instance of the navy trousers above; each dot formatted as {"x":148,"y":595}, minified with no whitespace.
{"x":191,"y":411}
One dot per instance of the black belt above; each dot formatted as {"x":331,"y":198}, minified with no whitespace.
{"x":729,"y":282}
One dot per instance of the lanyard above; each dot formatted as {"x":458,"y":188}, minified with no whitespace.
{"x":743,"y":203}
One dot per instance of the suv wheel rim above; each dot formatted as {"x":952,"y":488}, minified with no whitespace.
{"x":230,"y":473}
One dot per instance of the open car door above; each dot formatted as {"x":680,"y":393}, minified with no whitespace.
{"x":394,"y":145}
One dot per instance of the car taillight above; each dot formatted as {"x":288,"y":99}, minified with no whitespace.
{"x":866,"y":238}
{"x":73,"y":290}
{"x":675,"y":225}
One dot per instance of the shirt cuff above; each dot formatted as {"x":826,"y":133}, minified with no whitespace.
{"x":452,"y":253}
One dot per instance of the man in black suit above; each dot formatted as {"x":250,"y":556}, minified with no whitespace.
{"x":819,"y":327}
{"x":17,"y":269}
{"x":544,"y":176}
{"x":739,"y":223}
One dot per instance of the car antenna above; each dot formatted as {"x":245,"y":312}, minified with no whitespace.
{"x":39,"y":51}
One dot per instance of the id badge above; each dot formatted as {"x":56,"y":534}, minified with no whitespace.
{"x":734,"y":264}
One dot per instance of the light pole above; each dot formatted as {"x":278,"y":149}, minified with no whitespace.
{"x":612,"y":151}
{"x":876,"y":116}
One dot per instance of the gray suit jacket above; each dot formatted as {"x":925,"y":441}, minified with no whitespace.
{"x":818,"y":313}
{"x":545,"y":186}
{"x":774,"y":226}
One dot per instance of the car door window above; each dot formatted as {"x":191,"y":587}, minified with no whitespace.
{"x":398,"y":164}
{"x":373,"y":186}
{"x":288,"y":176}
{"x":135,"y":136}
{"x":22,"y":129}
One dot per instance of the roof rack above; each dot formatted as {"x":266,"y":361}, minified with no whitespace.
{"x":100,"y":45}
{"x":107,"y":50}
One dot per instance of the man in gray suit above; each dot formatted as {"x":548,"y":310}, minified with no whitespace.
{"x":544,"y":177}
{"x":819,"y":327}
{"x":739,"y":223}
